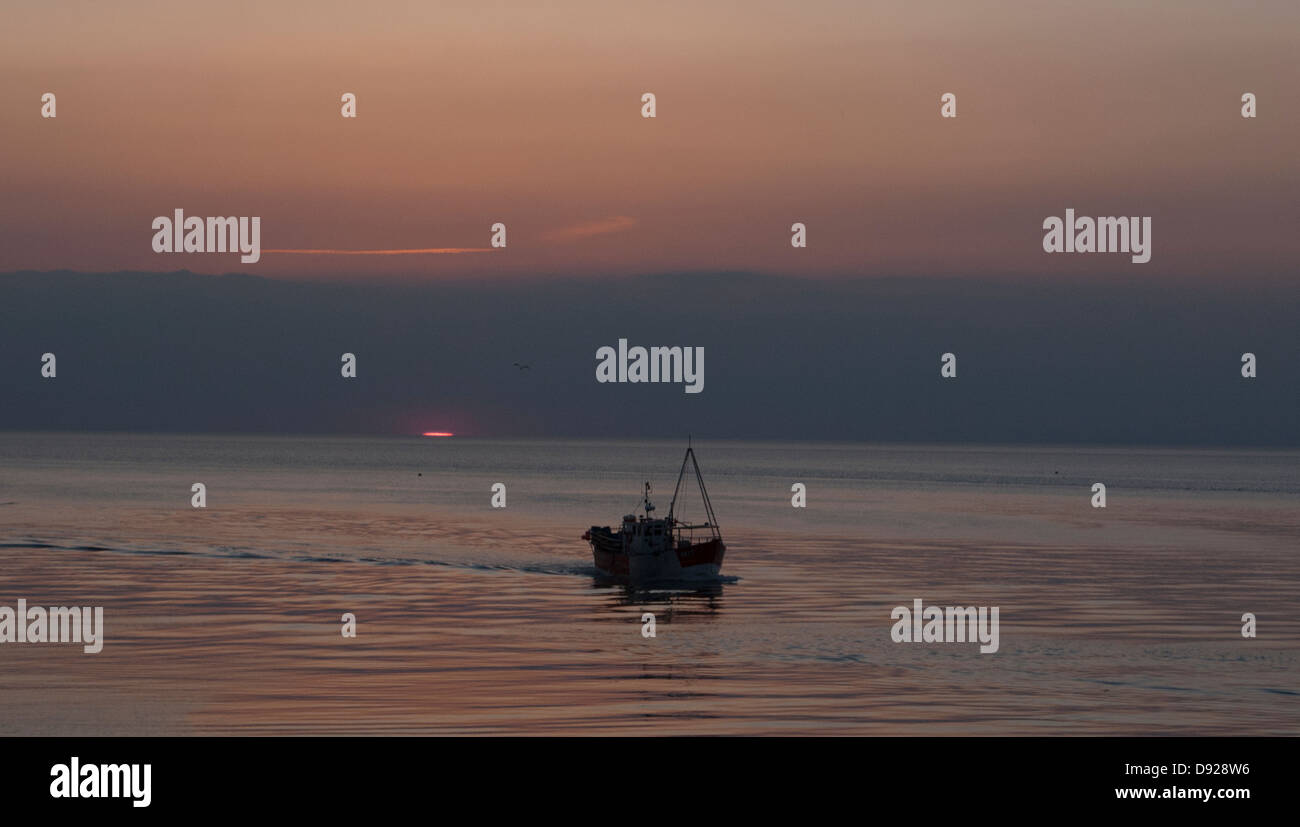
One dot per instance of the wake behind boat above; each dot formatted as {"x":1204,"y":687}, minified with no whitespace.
{"x":648,"y":549}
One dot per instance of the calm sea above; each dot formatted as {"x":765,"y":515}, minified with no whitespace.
{"x":474,"y":619}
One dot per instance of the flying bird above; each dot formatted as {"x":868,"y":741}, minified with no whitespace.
{"x":523,"y":367}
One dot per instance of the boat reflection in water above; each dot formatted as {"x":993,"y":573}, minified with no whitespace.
{"x":688,"y":602}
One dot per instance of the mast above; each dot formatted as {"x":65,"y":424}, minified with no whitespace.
{"x":712,"y":521}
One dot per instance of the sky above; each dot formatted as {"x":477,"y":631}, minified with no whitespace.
{"x":784,"y":359}
{"x":825,"y":113}
{"x":925,"y":234}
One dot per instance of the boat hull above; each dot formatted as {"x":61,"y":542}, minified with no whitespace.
{"x":644,"y":562}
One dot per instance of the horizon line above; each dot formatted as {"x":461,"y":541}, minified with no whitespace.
{"x":461,"y":436}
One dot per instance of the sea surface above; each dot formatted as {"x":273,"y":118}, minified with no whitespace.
{"x":480,"y":620}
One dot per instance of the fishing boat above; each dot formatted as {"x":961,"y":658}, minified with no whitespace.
{"x":648,"y":549}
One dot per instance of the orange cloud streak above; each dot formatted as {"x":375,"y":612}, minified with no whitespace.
{"x":589,"y":228}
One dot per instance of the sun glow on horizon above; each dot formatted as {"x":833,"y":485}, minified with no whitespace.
{"x":437,"y":433}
